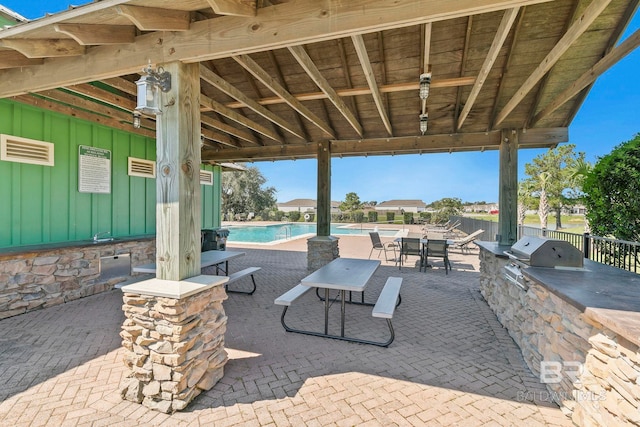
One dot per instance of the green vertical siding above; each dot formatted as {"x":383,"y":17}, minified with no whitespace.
{"x":41,"y":204}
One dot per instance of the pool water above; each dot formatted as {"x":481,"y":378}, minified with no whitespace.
{"x":281,"y":232}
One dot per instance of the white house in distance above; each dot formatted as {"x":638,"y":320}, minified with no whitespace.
{"x":305,"y":205}
{"x":414,"y":206}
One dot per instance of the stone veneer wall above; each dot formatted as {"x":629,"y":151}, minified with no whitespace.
{"x":321,"y":250}
{"x":34,"y":280}
{"x":174,"y":347}
{"x":603,"y":387}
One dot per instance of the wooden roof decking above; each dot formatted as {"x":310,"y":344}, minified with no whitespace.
{"x":278,"y":76}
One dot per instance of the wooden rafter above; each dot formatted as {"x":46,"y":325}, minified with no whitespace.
{"x":93,"y":34}
{"x":347,"y":76}
{"x":501,"y":35}
{"x":589,"y":76}
{"x":13,"y":59}
{"x":463,"y":70}
{"x":259,"y":73}
{"x":580,"y":26}
{"x":212,"y":105}
{"x":44,"y":48}
{"x":155,"y":19}
{"x":280,"y":76}
{"x":217,"y":81}
{"x":426,"y":48}
{"x":305,"y":61}
{"x":234,"y":7}
{"x":363,"y":56}
{"x":103,"y":96}
{"x":221,"y":126}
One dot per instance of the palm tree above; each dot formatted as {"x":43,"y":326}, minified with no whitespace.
{"x":543,"y":204}
{"x":525,"y":189}
{"x":578,"y":173}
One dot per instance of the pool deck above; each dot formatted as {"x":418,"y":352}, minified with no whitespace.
{"x":451,"y":362}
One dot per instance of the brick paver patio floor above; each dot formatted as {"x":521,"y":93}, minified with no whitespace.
{"x":451,"y":362}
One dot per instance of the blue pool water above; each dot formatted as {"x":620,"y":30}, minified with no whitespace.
{"x":279,"y":232}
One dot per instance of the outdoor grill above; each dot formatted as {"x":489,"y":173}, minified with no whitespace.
{"x":532,"y":251}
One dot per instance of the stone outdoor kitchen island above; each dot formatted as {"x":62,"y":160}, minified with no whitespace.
{"x":173,"y":337}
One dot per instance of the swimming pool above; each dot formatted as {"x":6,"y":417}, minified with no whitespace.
{"x":280,"y":232}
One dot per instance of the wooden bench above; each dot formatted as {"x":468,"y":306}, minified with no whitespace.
{"x":239,"y":275}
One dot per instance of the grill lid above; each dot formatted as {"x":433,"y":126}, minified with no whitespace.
{"x":544,"y":252}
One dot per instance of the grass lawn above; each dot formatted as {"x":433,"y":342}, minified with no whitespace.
{"x":570,"y":223}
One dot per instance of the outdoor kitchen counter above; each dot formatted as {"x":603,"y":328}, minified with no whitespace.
{"x":47,"y":247}
{"x":606,"y":294}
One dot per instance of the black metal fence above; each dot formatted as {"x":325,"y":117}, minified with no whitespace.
{"x":617,"y":253}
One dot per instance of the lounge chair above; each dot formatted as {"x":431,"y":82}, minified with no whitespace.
{"x":463,"y":244}
{"x":379,"y":246}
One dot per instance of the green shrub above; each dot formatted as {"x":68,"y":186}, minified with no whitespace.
{"x":294,"y":216}
{"x":407,"y":217}
{"x":358,"y":216}
{"x":278,"y":215}
{"x":373,"y":216}
{"x":310,"y":215}
{"x":391,"y":216}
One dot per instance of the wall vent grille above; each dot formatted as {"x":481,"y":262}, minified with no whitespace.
{"x":142,"y":168}
{"x":206,"y":177}
{"x":24,"y":150}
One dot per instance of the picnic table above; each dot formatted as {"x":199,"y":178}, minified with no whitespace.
{"x":344,"y":274}
{"x":207,"y":259}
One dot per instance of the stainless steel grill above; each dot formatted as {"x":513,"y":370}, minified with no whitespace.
{"x":531,"y":251}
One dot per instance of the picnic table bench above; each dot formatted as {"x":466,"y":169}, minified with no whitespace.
{"x":345,"y":274}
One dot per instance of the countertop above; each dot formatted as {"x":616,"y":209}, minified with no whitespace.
{"x":19,"y":250}
{"x":606,"y":294}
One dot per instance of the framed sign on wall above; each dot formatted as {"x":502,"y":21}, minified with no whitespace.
{"x":94,"y":170}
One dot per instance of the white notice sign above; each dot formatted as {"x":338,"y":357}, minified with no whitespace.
{"x":94,"y":170}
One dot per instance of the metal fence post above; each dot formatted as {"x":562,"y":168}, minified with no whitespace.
{"x":586,"y":244}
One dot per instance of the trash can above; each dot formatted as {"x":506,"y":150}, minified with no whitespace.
{"x":214,"y":239}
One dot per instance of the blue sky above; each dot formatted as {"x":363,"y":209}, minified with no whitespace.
{"x":609,"y":116}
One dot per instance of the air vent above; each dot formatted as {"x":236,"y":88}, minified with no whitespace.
{"x":206,"y":177}
{"x":23,"y":150}
{"x":142,"y":168}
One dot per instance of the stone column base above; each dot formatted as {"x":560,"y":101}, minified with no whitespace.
{"x":321,"y":250}
{"x":174,"y":340}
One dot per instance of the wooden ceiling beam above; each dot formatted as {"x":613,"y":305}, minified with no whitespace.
{"x":278,"y":26}
{"x":305,"y":61}
{"x":218,"y":137}
{"x":224,"y":86}
{"x":89,"y":35}
{"x":581,"y":24}
{"x":504,"y":28}
{"x":155,"y":19}
{"x":589,"y":76}
{"x":259,"y":73}
{"x":212,"y":105}
{"x":223,"y":127}
{"x":44,"y":48}
{"x":234,"y":7}
{"x":363,"y":56}
{"x":397,"y":87}
{"x":12,"y":59}
{"x":103,"y":96}
{"x":442,"y":143}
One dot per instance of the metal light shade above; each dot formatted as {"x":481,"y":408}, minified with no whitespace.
{"x":148,"y":95}
{"x":425,"y":83}
{"x":136,"y":119}
{"x":424,"y":120}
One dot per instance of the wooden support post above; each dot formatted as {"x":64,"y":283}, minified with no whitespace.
{"x":178,"y":178}
{"x":324,"y":188}
{"x":508,"y":195}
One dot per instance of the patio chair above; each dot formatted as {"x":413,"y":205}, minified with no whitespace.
{"x":463,"y":244}
{"x":438,"y":249}
{"x":410,"y":246}
{"x":379,"y":246}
